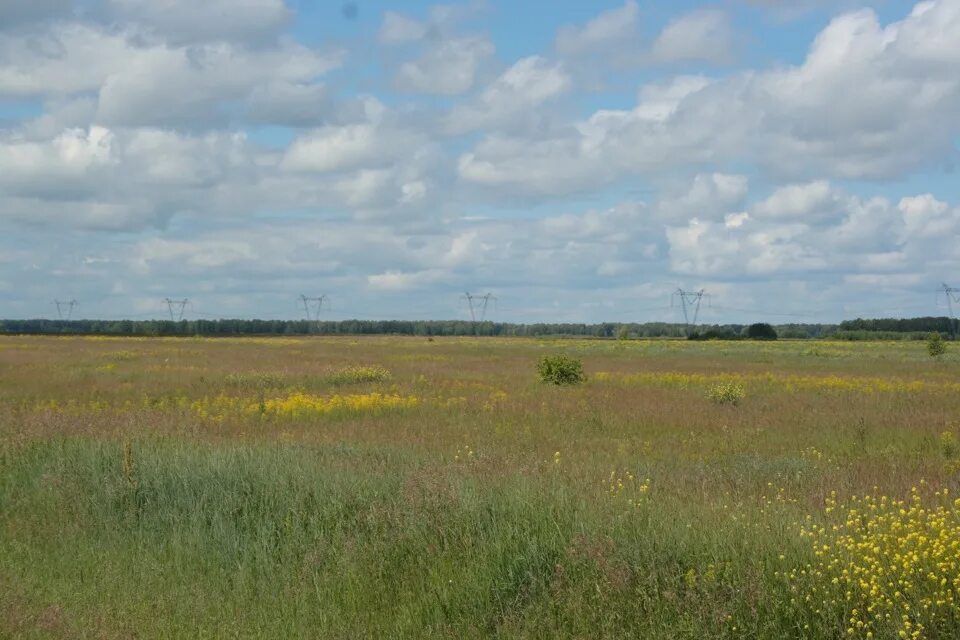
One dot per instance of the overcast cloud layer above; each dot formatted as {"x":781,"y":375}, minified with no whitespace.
{"x":240,"y":153}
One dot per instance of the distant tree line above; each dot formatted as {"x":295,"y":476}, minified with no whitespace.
{"x":881,"y":335}
{"x":402,"y":327}
{"x":928,"y":324}
{"x":850,"y":330}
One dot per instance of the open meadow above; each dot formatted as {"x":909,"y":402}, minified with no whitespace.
{"x":400,"y":487}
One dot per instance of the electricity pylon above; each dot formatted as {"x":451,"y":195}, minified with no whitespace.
{"x":475,"y":306}
{"x":952,"y":294}
{"x":69,"y":305}
{"x":179,"y":305}
{"x":689,"y":299}
{"x":312,"y":307}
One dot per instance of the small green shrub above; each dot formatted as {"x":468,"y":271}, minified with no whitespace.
{"x":560,"y":369}
{"x":257,"y":380}
{"x":727,"y":393}
{"x":936,"y":346}
{"x":948,"y":444}
{"x":357,"y":375}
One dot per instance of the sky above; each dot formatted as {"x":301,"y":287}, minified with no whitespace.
{"x":797,"y":160}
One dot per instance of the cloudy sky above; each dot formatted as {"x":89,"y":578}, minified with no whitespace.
{"x":580,"y":161}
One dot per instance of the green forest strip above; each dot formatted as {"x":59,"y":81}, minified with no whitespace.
{"x":889,"y":329}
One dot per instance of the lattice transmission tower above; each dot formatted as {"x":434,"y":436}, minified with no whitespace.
{"x":952,"y":294}
{"x":313,"y":306}
{"x":176,"y":308}
{"x":689,"y":300}
{"x":67,"y":305}
{"x":478,"y":304}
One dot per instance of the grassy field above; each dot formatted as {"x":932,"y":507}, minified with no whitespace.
{"x":393,"y":487}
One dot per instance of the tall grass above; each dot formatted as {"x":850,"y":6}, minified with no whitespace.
{"x":159,"y":539}
{"x":628,"y":506}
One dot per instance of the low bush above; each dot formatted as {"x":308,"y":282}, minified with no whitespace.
{"x":714,"y":334}
{"x":727,"y":393}
{"x":936,"y":346}
{"x":357,"y":375}
{"x":256,"y":380}
{"x":560,"y":369}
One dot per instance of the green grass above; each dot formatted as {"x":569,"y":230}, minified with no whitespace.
{"x":285,"y":541}
{"x":125,"y":514}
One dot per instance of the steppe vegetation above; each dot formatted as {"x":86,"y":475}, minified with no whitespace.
{"x":396,"y":487}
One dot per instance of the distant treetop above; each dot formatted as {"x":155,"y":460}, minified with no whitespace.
{"x":761,"y":331}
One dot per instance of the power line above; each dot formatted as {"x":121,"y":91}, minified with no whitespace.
{"x":764,"y":312}
{"x":479,"y":307}
{"x":635,"y":311}
{"x":233,"y":316}
{"x":893,"y":309}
